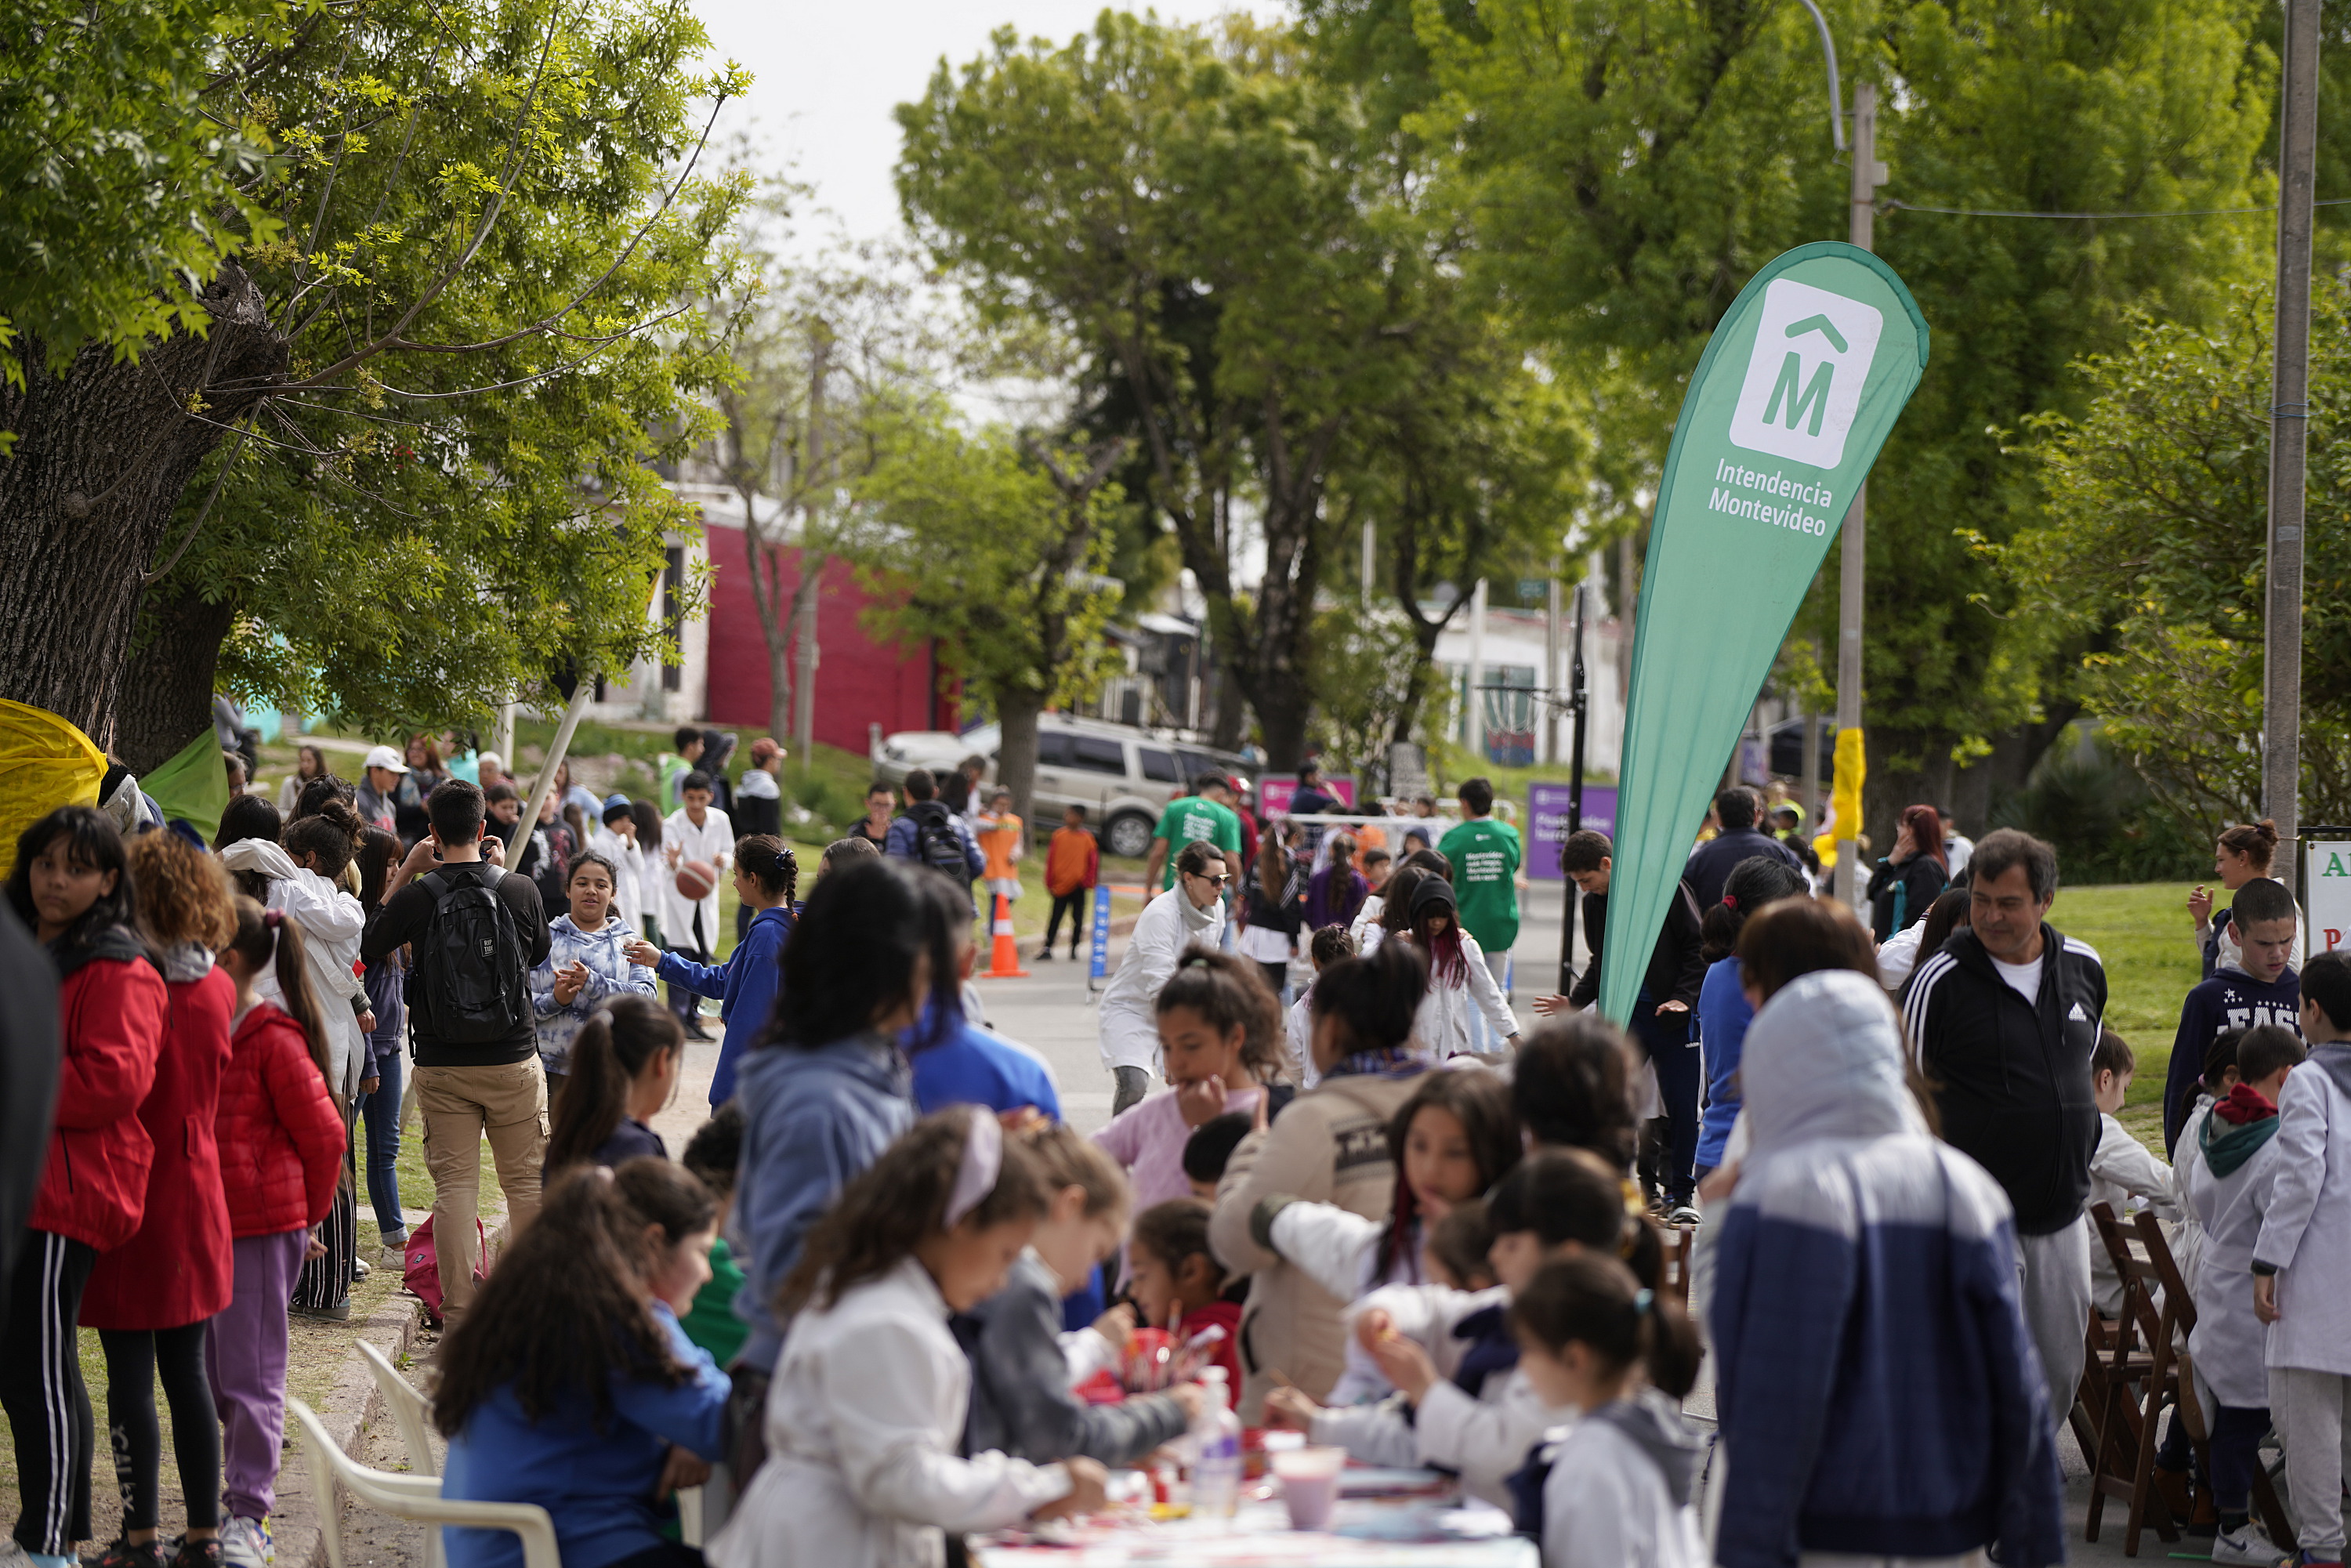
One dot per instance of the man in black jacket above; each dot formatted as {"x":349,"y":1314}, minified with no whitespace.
{"x":1663,"y":1013}
{"x":2004,"y":1020}
{"x":1710,"y":865}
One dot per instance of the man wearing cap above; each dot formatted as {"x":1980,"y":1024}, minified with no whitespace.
{"x":492,"y":769}
{"x":378,"y":795}
{"x":1788,"y":827}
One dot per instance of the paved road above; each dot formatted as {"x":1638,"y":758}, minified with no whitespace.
{"x":1052,"y":1013}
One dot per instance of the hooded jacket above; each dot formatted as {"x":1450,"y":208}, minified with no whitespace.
{"x":1859,"y":1256}
{"x":746,"y":985}
{"x":1167,"y":925}
{"x":1020,"y":1399}
{"x":2012,"y":1077}
{"x":110,"y":1020}
{"x":279,"y":1136}
{"x":2229,"y":999}
{"x":175,"y":1269}
{"x":2228,"y":1182}
{"x":812,"y":1121}
{"x":2305,"y":1235}
{"x":1614,"y":1489}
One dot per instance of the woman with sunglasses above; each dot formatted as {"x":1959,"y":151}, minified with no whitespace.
{"x":1190,"y":914}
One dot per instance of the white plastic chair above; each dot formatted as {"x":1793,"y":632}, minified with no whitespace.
{"x":412,"y":1412}
{"x":414,"y":1498}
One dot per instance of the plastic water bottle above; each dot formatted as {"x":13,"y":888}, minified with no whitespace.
{"x":1216,"y":1474}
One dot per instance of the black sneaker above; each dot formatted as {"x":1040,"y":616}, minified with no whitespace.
{"x":122,"y":1554}
{"x":204,"y":1554}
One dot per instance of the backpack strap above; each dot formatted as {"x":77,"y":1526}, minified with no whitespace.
{"x":436,"y":884}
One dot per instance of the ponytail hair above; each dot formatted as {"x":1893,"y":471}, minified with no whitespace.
{"x":607,"y":1055}
{"x":561,"y":1318}
{"x":1753,"y":883}
{"x":1373,"y":999}
{"x":1230,"y":993}
{"x":1591,"y":1300}
{"x":2255,"y":841}
{"x":669,"y":1196}
{"x":771,"y":864}
{"x":267,"y":941}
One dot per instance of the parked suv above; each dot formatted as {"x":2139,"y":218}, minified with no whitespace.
{"x":1122,"y":777}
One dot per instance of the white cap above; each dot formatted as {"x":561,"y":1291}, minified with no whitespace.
{"x":385,"y":757}
{"x":492,"y":760}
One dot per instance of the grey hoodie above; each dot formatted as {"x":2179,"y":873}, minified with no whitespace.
{"x":1654,"y":1425}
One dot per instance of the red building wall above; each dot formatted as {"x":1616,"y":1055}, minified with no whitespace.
{"x":858,"y":682}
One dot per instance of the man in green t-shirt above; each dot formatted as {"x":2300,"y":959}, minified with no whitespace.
{"x":1205,"y":814}
{"x":1485,"y":856}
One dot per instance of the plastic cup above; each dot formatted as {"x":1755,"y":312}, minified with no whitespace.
{"x":1309,"y":1484}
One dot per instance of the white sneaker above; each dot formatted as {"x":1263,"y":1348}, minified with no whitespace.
{"x":245,"y":1544}
{"x":2249,"y":1545}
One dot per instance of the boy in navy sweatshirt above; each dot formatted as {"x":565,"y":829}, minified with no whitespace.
{"x":2264,"y":989}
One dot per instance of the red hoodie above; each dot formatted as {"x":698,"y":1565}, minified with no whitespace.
{"x":110,"y":1013}
{"x":281,"y":1139}
{"x":1225,"y":1315}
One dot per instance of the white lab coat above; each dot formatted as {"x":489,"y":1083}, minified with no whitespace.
{"x":2306,"y":1232}
{"x":864,"y":1419}
{"x":1898,"y":954}
{"x":1606,"y":1506}
{"x":2120,"y":1170}
{"x":628,"y":877}
{"x":331,"y":922}
{"x":2228,"y":1339}
{"x":713,"y":841}
{"x":1442,"y":1025}
{"x":1167,"y":925}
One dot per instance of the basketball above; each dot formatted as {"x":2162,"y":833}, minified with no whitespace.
{"x":696,"y":880}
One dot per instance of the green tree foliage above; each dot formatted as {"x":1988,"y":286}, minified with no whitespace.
{"x":1205,"y":221}
{"x":1626,"y":167}
{"x":125,"y":185}
{"x":2153,"y":558}
{"x":994,"y":545}
{"x":422,"y":420}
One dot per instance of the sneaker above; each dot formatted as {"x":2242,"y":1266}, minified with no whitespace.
{"x":1684,"y":1214}
{"x":395,"y":1254}
{"x":1045,"y":956}
{"x":245,"y":1544}
{"x":340,"y":1312}
{"x":360,"y":1268}
{"x":124,"y":1554}
{"x":204,"y":1554}
{"x":2246,"y":1544}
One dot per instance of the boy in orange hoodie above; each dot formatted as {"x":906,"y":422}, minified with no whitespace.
{"x":1072,"y":861}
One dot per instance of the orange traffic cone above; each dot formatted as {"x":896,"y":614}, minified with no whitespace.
{"x":1004,"y":958}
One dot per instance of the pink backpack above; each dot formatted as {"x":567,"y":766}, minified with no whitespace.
{"x":421,"y":1267}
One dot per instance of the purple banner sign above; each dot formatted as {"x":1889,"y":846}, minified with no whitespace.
{"x":1547,"y":805}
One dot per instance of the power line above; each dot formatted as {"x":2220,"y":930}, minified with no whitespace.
{"x":1894,"y":205}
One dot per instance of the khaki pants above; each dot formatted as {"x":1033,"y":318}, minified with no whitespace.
{"x":508,"y":1103}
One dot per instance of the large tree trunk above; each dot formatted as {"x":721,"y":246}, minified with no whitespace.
{"x":1015,"y":759}
{"x":167,"y":685}
{"x":102,"y":456}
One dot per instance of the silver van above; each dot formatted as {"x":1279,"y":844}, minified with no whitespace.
{"x":1122,"y":777}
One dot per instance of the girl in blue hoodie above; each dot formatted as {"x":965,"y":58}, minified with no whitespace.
{"x":765,"y":875}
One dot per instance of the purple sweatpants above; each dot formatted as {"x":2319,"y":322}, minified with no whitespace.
{"x":245,"y":1356}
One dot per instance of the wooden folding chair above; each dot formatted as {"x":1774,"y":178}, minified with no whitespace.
{"x":2090,"y":1395}
{"x":2150,"y":1235}
{"x":2141,"y":1375}
{"x":1678,"y":1242}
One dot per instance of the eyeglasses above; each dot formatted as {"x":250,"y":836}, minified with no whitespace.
{"x":1218,"y":881}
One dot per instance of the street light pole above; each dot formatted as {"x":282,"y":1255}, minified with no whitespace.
{"x":1853,"y":557}
{"x":2289,"y":440}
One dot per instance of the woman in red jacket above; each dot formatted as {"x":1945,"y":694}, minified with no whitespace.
{"x":71,"y":885}
{"x":150,"y":1298}
{"x":281,"y":1150}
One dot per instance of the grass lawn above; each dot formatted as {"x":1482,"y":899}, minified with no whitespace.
{"x":2142,"y":932}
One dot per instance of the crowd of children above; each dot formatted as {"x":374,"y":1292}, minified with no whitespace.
{"x":847,"y":1309}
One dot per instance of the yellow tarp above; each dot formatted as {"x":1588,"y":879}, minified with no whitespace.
{"x":44,"y":763}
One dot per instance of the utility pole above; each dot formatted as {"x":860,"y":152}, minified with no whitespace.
{"x":1371,"y":561}
{"x":1853,"y":557}
{"x":812,"y":561}
{"x":2289,"y":440}
{"x":1477,"y":671}
{"x":1551,"y":666}
{"x":1576,"y":711}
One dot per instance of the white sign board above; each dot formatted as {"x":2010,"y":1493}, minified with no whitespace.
{"x":2327,"y":893}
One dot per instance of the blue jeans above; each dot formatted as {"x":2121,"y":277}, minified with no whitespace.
{"x":1665,"y":1041}
{"x":381,"y":1110}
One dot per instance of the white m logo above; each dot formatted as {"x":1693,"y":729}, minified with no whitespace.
{"x":1812,"y":354}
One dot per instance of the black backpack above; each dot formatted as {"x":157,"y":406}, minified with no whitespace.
{"x":937,"y":843}
{"x":473,"y":974}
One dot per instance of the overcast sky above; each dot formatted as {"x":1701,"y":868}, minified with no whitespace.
{"x":828,"y":76}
